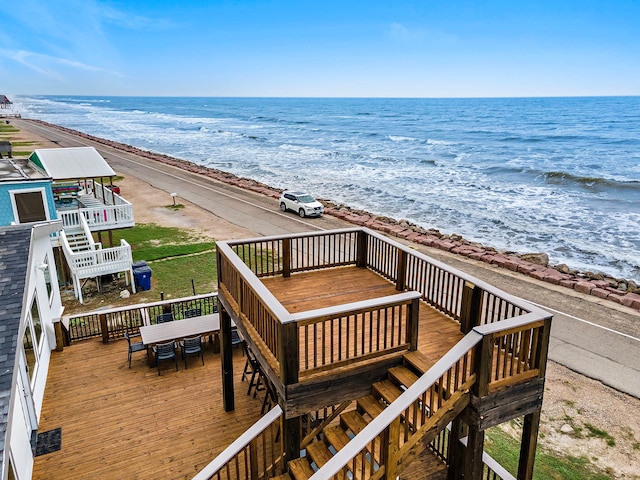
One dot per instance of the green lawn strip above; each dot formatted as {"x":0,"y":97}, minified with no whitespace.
{"x":548,"y":465}
{"x":175,"y":256}
{"x":150,"y":234}
{"x":22,"y":144}
{"x":151,"y":253}
{"x":173,"y":276}
{"x":8,"y":128}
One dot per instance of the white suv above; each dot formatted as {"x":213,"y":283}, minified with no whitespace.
{"x":301,"y":203}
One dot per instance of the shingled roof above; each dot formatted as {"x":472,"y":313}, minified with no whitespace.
{"x":14,"y":257}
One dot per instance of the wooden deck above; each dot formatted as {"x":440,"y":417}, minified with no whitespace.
{"x":131,"y":423}
{"x":121,"y":423}
{"x":335,"y":286}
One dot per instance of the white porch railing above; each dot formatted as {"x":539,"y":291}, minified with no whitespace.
{"x":97,"y":261}
{"x":103,"y":211}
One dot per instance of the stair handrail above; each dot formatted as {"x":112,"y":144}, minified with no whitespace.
{"x":411,"y":395}
{"x":87,"y":231}
{"x":396,"y":408}
{"x":239,"y":444}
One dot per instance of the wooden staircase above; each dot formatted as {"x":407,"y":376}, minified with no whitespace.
{"x":337,"y":435}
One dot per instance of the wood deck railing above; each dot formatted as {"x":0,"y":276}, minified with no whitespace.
{"x":465,"y":299}
{"x":301,"y":344}
{"x":418,"y":416}
{"x":251,"y":456}
{"x":505,"y":344}
{"x":113,"y":322}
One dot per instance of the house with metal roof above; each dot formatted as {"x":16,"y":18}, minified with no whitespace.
{"x":69,"y":184}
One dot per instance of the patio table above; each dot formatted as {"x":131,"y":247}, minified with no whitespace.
{"x":178,"y":329}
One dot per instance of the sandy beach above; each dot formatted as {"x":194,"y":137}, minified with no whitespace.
{"x":572,"y":401}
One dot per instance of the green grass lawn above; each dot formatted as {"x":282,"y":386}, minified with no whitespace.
{"x":548,"y":465}
{"x":179,"y":259}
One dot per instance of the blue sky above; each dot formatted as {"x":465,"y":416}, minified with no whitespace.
{"x":391,"y":48}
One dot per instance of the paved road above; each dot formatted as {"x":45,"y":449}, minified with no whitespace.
{"x":594,"y":337}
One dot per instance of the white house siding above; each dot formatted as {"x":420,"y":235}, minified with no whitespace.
{"x":17,"y":297}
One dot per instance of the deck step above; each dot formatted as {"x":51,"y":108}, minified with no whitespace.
{"x":319,"y":453}
{"x":370,"y":405}
{"x":336,"y":436}
{"x":403,"y":376}
{"x":353,"y":421}
{"x":339,"y":439}
{"x":418,"y":361}
{"x":387,"y":390}
{"x":299,"y":469}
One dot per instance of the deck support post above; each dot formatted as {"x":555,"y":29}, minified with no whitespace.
{"x":104,"y":327}
{"x":227,"y":360}
{"x":391,"y":438}
{"x":291,"y":437}
{"x":401,"y":280}
{"x":414,"y":320}
{"x":286,"y":257}
{"x":473,"y":465}
{"x":528,"y":445}
{"x":459,"y":430}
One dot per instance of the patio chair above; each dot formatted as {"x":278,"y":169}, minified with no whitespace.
{"x":251,"y":368}
{"x":165,"y":351}
{"x":192,"y":312}
{"x":236,"y":339}
{"x":135,"y":346}
{"x":191,"y":346}
{"x":164,"y":317}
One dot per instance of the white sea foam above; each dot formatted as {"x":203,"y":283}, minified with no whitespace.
{"x":483,"y":172}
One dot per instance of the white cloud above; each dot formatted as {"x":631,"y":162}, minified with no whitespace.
{"x":47,"y":65}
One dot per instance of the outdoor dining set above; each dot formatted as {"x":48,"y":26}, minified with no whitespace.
{"x":161,"y":339}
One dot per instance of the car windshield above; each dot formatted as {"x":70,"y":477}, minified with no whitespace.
{"x":306,"y":199}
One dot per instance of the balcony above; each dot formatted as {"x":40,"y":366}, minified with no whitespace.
{"x":102,"y":208}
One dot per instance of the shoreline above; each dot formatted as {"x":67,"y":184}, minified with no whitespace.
{"x":535,"y":265}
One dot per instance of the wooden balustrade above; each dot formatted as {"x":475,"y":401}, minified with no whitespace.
{"x":113,"y":322}
{"x":342,"y":335}
{"x":256,"y":453}
{"x":337,"y":336}
{"x":422,"y":412}
{"x":505,"y":344}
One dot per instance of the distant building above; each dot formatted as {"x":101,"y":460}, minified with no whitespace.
{"x":5,"y":102}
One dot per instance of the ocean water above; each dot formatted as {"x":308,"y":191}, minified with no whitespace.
{"x":554,"y":175}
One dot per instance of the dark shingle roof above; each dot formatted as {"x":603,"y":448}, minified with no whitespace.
{"x":14,"y":255}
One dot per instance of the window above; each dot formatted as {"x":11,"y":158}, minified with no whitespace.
{"x":35,"y":321}
{"x":47,"y":278}
{"x":29,"y":206}
{"x":29,"y":352}
{"x":32,"y":338}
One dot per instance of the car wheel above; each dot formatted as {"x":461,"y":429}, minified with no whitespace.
{"x":301,"y":213}
{"x":283,"y":207}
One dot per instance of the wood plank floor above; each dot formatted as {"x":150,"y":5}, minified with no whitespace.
{"x":120,"y":423}
{"x":131,"y":423}
{"x":323,"y":288}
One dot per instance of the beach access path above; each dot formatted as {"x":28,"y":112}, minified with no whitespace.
{"x":594,"y":337}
